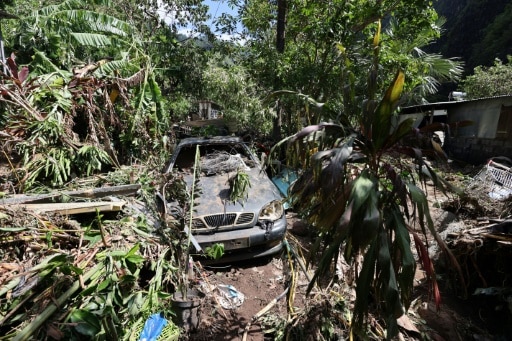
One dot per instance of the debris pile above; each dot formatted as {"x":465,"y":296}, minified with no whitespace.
{"x":495,"y":179}
{"x":482,"y":243}
{"x":82,"y":263}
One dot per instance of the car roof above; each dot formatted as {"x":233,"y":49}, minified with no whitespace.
{"x":210,"y":140}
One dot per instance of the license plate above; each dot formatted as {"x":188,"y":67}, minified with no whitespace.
{"x":236,"y":244}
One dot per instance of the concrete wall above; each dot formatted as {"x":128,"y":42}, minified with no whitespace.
{"x":477,"y":143}
{"x":476,"y":150}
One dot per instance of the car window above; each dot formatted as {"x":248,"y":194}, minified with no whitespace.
{"x":215,"y":158}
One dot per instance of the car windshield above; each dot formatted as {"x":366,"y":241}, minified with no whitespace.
{"x":215,"y":158}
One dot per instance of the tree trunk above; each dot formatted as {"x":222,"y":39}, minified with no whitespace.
{"x":281,"y":24}
{"x":280,"y":44}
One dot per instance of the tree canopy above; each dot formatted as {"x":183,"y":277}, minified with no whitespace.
{"x":489,"y":81}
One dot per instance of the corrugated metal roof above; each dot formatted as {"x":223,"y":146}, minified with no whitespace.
{"x":436,"y":105}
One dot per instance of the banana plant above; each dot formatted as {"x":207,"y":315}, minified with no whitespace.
{"x":80,"y":110}
{"x":360,"y":189}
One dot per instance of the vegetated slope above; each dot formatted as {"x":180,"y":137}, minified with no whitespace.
{"x":477,"y":31}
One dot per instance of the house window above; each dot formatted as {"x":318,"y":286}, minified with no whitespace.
{"x":504,"y":123}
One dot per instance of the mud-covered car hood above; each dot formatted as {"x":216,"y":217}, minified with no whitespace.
{"x":213,"y":195}
{"x":219,"y":159}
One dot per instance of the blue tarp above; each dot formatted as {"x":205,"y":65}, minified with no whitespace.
{"x":283,"y":181}
{"x":153,"y":327}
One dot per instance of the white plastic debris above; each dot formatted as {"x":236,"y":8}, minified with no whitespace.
{"x":229,"y":297}
{"x":496,"y":179}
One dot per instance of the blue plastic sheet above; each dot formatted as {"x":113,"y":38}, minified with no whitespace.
{"x":283,"y":181}
{"x":153,"y":327}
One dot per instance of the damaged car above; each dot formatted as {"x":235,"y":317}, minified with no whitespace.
{"x":250,"y":223}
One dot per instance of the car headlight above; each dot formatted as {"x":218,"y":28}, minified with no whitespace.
{"x":272,"y":211}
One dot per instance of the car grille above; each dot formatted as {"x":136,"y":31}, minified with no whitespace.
{"x":222,"y":221}
{"x":245,"y":218}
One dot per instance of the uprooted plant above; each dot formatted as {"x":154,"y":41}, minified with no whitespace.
{"x":177,"y":220}
{"x":361,"y":193}
{"x":62,"y":125}
{"x":239,"y":185}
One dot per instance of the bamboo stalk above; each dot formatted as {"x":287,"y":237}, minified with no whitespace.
{"x":263,"y":312}
{"x":11,"y":285}
{"x":33,"y":326}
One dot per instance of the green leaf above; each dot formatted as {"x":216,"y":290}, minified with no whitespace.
{"x":133,"y":261}
{"x":104,"y":284}
{"x":86,"y":322}
{"x":388,"y":285}
{"x":381,"y":126}
{"x":111,"y":67}
{"x":135,"y":303}
{"x":363,"y":287}
{"x":12,"y":229}
{"x":89,"y":290}
{"x":361,"y":190}
{"x":216,"y":251}
{"x":403,"y":129}
{"x":92,"y":39}
{"x":408,"y":263}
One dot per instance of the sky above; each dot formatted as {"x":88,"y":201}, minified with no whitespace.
{"x":216,"y":9}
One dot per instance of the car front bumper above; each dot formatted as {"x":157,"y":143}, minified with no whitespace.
{"x":260,"y":240}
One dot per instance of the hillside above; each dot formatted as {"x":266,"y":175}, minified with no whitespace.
{"x":477,"y":31}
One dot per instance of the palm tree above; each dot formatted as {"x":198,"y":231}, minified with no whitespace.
{"x":425,"y":71}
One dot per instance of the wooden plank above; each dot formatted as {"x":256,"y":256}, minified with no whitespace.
{"x":74,"y":207}
{"x":92,"y":193}
{"x":502,"y":237}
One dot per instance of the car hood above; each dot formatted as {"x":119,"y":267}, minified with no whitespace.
{"x":213,"y":193}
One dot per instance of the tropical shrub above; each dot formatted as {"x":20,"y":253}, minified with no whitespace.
{"x":490,"y":81}
{"x":359,"y":188}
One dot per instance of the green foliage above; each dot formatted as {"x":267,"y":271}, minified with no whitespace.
{"x":239,"y":185}
{"x":91,"y":158}
{"x":41,"y":107}
{"x":105,"y":300}
{"x":490,"y":81}
{"x":329,"y":50}
{"x":55,"y":165}
{"x":90,"y":110}
{"x":425,"y":71}
{"x":235,"y":89}
{"x":216,"y":251}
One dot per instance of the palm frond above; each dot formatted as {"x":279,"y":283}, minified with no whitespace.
{"x":99,"y":22}
{"x":112,"y":67}
{"x":91,"y":39}
{"x":45,"y":65}
{"x":63,"y":6}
